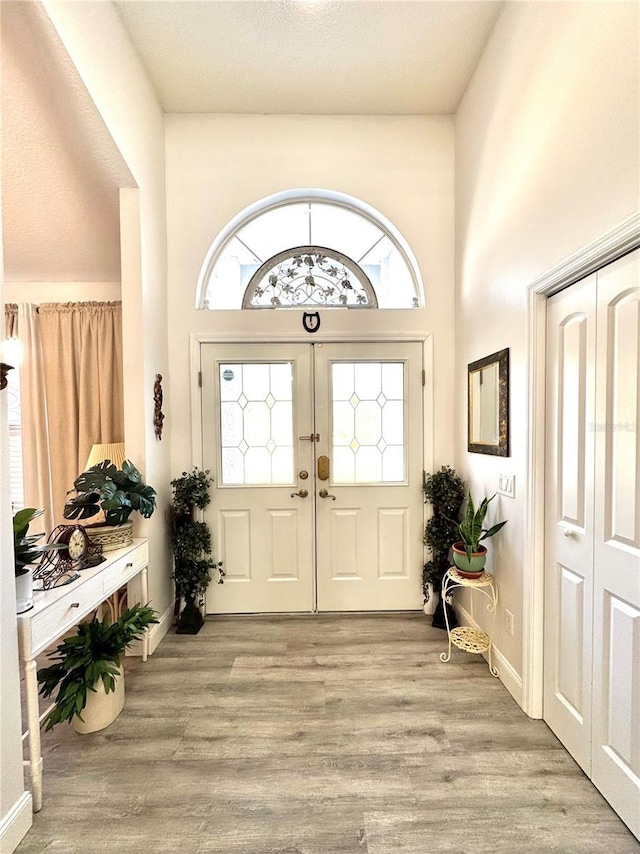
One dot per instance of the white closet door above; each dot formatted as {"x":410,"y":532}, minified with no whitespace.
{"x":616,"y":635}
{"x":571,"y":350}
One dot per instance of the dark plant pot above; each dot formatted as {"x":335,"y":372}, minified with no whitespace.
{"x":438,"y":621}
{"x":191,"y":620}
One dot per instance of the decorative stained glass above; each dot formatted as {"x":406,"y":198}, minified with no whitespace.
{"x":256,"y":423}
{"x":347,"y":227}
{"x":368,"y":430}
{"x":309,"y":275}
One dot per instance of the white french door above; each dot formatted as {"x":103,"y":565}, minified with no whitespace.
{"x":316,"y":454}
{"x":256,"y":402}
{"x":592,"y":590}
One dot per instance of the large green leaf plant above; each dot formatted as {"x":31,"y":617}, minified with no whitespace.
{"x":91,"y":655}
{"x":117,"y":492}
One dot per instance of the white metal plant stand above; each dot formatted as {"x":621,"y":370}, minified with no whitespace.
{"x":465,"y":637}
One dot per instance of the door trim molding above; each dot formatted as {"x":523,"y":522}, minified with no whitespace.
{"x":612,"y":245}
{"x":606,"y":249}
{"x":358,"y":337}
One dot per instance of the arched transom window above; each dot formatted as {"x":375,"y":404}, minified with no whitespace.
{"x":309,"y":248}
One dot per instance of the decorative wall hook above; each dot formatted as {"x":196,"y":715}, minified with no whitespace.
{"x":158,"y":415}
{"x":311,"y":321}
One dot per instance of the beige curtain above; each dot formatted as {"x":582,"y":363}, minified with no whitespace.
{"x":10,"y":320}
{"x":82,"y":343}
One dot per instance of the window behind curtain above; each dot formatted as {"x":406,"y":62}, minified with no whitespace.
{"x":16,"y":479}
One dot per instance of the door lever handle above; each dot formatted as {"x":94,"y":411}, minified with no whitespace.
{"x":324,"y":493}
{"x":314,"y":437}
{"x":301,"y":493}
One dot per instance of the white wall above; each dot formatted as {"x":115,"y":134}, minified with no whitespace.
{"x":218,"y":165}
{"x":547,"y":160}
{"x":39,"y":292}
{"x":15,"y":803}
{"x":112,"y":73}
{"x":115,"y":78}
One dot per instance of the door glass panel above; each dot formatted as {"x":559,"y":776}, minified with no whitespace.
{"x":368,"y":428}
{"x":256,"y":423}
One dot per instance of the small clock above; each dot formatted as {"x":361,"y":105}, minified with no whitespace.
{"x":70,"y":550}
{"x":75,"y":538}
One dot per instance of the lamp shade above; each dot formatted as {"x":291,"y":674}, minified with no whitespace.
{"x":99,"y":453}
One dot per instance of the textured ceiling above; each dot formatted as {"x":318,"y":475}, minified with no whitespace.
{"x":60,"y":168}
{"x":394,"y":57}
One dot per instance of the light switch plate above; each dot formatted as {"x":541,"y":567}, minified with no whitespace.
{"x":507,"y":485}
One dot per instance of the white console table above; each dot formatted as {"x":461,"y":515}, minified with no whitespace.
{"x":59,"y":609}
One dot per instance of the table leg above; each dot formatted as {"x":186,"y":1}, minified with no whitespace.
{"x":33,"y":721}
{"x":144,"y":591}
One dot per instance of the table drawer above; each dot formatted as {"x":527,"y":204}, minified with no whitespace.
{"x":66,"y":612}
{"x":125,"y":568}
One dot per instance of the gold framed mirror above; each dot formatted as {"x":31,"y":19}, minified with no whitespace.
{"x":488,"y":405}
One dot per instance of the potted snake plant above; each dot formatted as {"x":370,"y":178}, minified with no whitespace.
{"x":469,"y":555}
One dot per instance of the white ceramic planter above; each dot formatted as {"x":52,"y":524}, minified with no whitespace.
{"x":24,"y":592}
{"x":102,"y":709}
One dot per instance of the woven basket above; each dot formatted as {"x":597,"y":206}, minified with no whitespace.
{"x":111,"y":537}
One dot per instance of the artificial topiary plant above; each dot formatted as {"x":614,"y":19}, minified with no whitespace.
{"x":445,"y":491}
{"x":192,"y":549}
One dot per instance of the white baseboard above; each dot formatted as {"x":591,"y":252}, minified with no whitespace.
{"x":16,"y":823}
{"x":156,"y":632}
{"x":159,"y":629}
{"x":509,"y":676}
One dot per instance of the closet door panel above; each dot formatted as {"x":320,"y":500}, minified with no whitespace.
{"x":571,"y":346}
{"x":616,"y":670}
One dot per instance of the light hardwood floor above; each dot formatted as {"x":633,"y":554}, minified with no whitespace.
{"x":317,"y":735}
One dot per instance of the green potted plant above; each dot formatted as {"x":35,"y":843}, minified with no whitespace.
{"x":27,"y":552}
{"x":192,"y":548}
{"x":468,"y":555}
{"x":87,"y":671}
{"x":445,"y":491}
{"x":117,"y":493}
